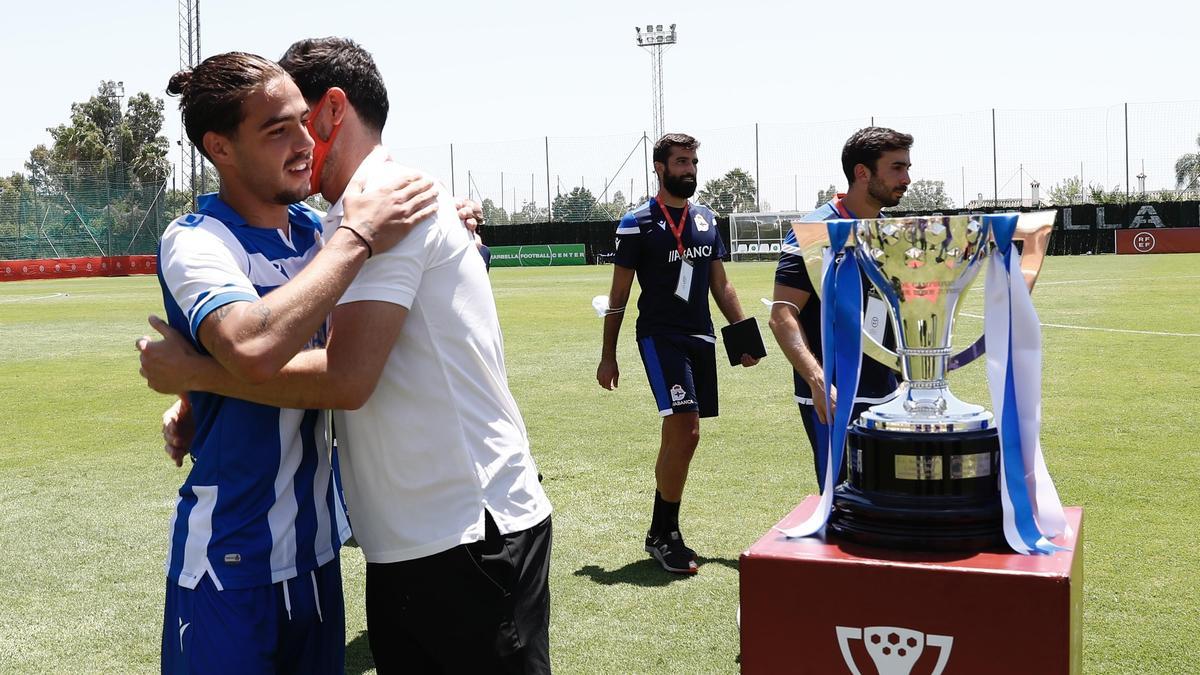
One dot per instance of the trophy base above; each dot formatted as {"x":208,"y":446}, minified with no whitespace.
{"x":935,"y":492}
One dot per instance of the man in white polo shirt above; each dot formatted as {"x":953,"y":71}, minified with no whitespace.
{"x":443,"y":493}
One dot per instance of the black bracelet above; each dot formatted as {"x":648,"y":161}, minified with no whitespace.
{"x":370,"y":251}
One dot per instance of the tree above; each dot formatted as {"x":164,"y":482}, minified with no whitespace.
{"x":102,"y":146}
{"x":493,"y":214}
{"x":735,"y":192}
{"x":612,"y":210}
{"x":530,"y":213}
{"x":926,"y":195}
{"x":826,"y":195}
{"x":179,"y":202}
{"x":40,"y":168}
{"x":1098,"y":195}
{"x":1187,"y":170}
{"x":1068,"y":192}
{"x":575,"y":206}
{"x":1073,"y":191}
{"x":144,"y":149}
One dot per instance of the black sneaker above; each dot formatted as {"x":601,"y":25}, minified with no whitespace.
{"x":670,"y":552}
{"x":691,"y":553}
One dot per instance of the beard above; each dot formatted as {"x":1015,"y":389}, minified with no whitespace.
{"x":289,"y":197}
{"x":880,"y":192}
{"x":681,"y":186}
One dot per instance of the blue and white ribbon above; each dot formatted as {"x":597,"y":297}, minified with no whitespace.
{"x":841,"y":342}
{"x":1033,"y":513}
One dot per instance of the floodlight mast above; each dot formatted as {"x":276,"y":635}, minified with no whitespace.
{"x":654,"y":40}
{"x":190,"y":163}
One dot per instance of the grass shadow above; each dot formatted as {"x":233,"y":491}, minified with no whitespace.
{"x":647,"y":573}
{"x":358,"y":655}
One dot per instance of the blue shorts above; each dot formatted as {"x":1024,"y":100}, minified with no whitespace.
{"x":294,"y":626}
{"x":682,"y":370}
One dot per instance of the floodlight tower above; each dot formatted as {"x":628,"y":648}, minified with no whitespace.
{"x":654,"y":40}
{"x":191,"y":164}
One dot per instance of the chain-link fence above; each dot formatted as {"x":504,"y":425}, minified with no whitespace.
{"x":89,"y":212}
{"x":977,"y":159}
{"x":981,"y":159}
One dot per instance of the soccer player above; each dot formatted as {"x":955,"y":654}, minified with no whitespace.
{"x":253,"y":575}
{"x":876,"y":163}
{"x":441,"y":486}
{"x":675,"y":250}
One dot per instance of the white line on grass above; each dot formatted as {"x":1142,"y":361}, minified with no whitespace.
{"x":40,"y":297}
{"x":1103,"y":280}
{"x":1102,"y":330}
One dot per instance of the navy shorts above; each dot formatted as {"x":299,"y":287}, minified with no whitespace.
{"x":294,"y":626}
{"x":682,"y":370}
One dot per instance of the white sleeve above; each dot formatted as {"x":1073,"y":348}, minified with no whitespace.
{"x":204,"y":267}
{"x":394,"y":275}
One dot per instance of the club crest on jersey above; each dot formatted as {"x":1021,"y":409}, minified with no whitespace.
{"x":701,"y":224}
{"x":677,"y":393}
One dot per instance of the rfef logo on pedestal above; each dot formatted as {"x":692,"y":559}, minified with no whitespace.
{"x":893,"y":650}
{"x":1143,"y":242}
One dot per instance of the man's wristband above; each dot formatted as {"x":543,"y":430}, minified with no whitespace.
{"x":370,"y":251}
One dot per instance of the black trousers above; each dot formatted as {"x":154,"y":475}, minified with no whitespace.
{"x":482,"y":607}
{"x":817,"y":439}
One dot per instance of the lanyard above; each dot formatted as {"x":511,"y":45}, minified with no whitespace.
{"x":841,"y":209}
{"x":676,"y":230}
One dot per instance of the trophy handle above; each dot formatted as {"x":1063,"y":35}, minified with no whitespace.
{"x":1033,"y":229}
{"x":812,"y":240}
{"x":871,"y":347}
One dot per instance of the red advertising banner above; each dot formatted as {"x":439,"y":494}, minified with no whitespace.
{"x":68,"y":268}
{"x":830,"y":607}
{"x":1159,"y":240}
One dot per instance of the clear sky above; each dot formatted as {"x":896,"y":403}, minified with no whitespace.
{"x":474,"y":73}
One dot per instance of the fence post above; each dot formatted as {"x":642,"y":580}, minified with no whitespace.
{"x":757,"y":175}
{"x":549,"y":212}
{"x":1127,"y":152}
{"x":995,"y":176}
{"x":646,"y":162}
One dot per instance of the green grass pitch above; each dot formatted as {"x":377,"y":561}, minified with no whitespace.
{"x":85,"y":490}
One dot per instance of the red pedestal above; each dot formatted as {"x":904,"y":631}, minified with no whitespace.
{"x":827,"y":606}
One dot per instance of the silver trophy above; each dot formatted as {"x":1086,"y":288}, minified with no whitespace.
{"x":923,"y":468}
{"x":921,"y":267}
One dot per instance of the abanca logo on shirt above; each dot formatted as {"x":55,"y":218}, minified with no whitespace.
{"x":691,"y":252}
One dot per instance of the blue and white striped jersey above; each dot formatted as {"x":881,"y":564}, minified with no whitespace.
{"x":262,"y":502}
